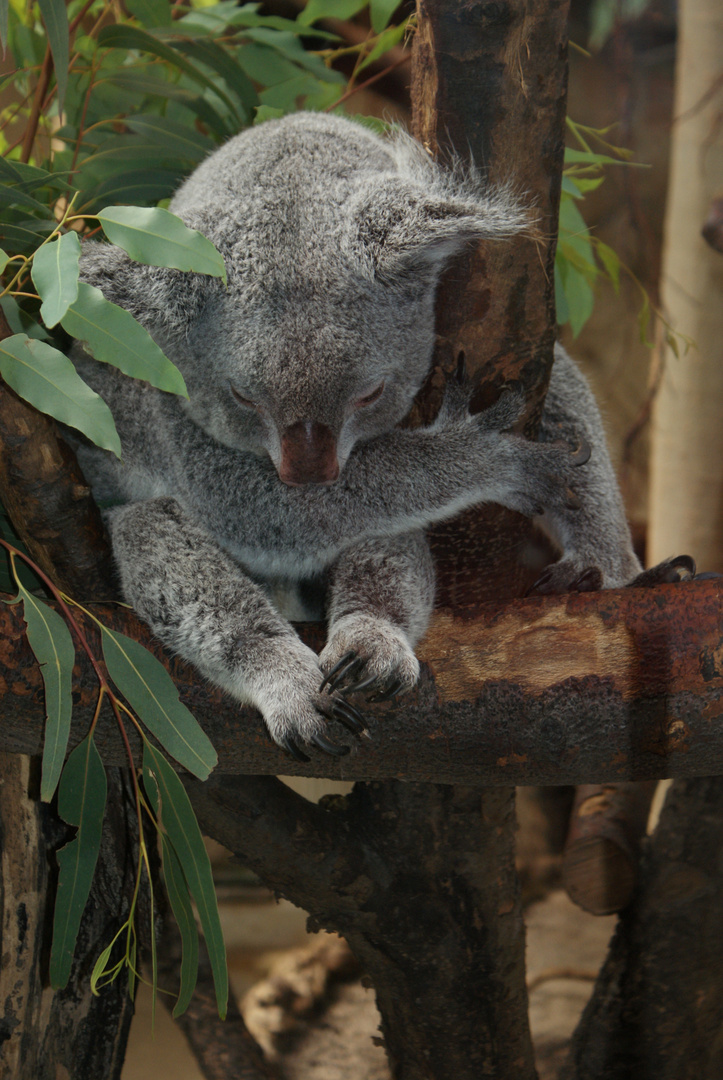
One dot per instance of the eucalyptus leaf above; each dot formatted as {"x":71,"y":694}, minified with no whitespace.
{"x":55,"y":17}
{"x":54,"y":271}
{"x":151,"y":692}
{"x":181,"y":140}
{"x":329,"y":9}
{"x":131,"y":37}
{"x":44,"y":376}
{"x":176,"y":819}
{"x":150,"y":12}
{"x":180,"y":900}
{"x":4,"y":259}
{"x":15,"y":196}
{"x":81,"y":801}
{"x":113,"y":336}
{"x":380,"y":12}
{"x":158,"y":238}
{"x":386,"y":40}
{"x":50,"y":640}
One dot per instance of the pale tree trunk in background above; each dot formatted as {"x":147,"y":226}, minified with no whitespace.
{"x":686,"y":482}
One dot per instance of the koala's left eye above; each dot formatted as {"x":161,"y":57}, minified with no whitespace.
{"x":369,"y":399}
{"x":243,"y":400}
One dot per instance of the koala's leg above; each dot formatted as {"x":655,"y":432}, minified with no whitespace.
{"x":380,"y":600}
{"x":201,"y":605}
{"x":597,"y":549}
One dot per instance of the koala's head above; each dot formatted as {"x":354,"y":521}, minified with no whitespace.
{"x":334,"y":242}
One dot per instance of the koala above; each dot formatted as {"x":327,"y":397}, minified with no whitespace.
{"x":285,"y":476}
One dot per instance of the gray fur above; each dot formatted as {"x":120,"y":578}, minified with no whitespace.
{"x":334,"y":240}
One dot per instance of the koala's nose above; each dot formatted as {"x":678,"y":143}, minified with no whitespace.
{"x":308,"y":454}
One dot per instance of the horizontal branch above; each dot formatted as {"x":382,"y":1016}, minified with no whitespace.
{"x":582,"y":688}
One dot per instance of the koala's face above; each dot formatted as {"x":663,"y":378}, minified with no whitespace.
{"x":305,"y":371}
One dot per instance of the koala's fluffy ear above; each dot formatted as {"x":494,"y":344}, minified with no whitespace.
{"x":163,"y":300}
{"x":403,"y":230}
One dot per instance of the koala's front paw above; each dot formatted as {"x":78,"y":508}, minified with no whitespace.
{"x":296,"y":710}
{"x":366,"y":652}
{"x":540,"y":477}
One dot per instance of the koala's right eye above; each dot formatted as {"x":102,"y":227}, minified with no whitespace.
{"x":243,"y":400}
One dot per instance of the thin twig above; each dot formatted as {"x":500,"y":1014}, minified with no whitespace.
{"x":368,"y":82}
{"x":40,"y":91}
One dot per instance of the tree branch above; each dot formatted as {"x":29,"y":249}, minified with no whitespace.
{"x":583,"y":688}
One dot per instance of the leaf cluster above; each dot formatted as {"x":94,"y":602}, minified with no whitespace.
{"x":582,"y":258}
{"x":141,"y":692}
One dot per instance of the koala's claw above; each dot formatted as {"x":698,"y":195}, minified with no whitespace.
{"x":350,"y":717}
{"x":590,"y":580}
{"x":551,"y":580}
{"x":363,"y":684}
{"x":386,"y":695}
{"x":671,"y":571}
{"x":291,"y":748}
{"x":343,"y":667}
{"x":329,"y":747}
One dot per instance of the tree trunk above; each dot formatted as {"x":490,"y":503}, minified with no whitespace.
{"x":686,"y":496}
{"x":657,"y":1009}
{"x":69,"y":1033}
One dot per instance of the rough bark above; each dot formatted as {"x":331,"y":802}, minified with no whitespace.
{"x":686,"y":508}
{"x":46,"y":1034}
{"x":582,"y":688}
{"x":657,"y":1009}
{"x":489,"y":84}
{"x":435,"y":930}
{"x":600,"y":861}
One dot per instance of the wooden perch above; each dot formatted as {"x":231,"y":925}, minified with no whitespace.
{"x":600,"y":861}
{"x":581,"y":688}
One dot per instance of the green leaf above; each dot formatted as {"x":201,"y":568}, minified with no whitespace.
{"x":14,"y":196}
{"x":222,"y":63}
{"x":4,"y":8}
{"x":180,"y":901}
{"x":55,"y":18}
{"x":130,"y":37}
{"x":113,"y":336}
{"x":158,"y":238}
{"x":138,"y":186}
{"x":267,"y":112}
{"x":81,"y":802}
{"x":176,"y":818}
{"x":46,"y":378}
{"x":54,"y":272}
{"x":50,"y":640}
{"x":150,"y":12}
{"x":610,"y":261}
{"x":25,"y":235}
{"x":289,"y":46}
{"x":329,"y":9}
{"x":137,"y":82}
{"x":151,"y":692}
{"x":180,"y":140}
{"x":386,"y":41}
{"x":381,"y":12}
{"x":4,"y":259}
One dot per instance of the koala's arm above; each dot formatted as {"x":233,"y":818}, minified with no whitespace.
{"x":595,"y":539}
{"x":380,"y":598}
{"x":201,"y":605}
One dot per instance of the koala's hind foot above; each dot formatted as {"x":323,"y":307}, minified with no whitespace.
{"x":368,"y":652}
